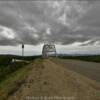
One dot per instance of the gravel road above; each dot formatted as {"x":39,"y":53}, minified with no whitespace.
{"x":88,"y":69}
{"x":48,"y":78}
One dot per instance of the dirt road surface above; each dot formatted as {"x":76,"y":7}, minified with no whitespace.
{"x":88,"y":69}
{"x":50,"y":80}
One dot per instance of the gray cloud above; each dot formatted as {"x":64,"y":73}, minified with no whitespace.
{"x":56,"y":21}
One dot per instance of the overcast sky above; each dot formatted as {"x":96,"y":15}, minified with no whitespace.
{"x":73,"y":25}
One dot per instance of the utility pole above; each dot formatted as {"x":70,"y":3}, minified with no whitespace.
{"x":22,"y":49}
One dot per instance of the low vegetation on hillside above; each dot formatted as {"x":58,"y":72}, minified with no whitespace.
{"x":7,"y":66}
{"x":91,"y":58}
{"x":12,"y":73}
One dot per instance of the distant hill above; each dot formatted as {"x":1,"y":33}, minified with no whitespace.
{"x":92,"y":58}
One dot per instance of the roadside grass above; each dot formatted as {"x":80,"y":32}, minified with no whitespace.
{"x":6,"y":70}
{"x":7,"y":66}
{"x":13,"y":81}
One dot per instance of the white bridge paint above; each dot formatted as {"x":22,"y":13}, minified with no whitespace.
{"x":18,"y":60}
{"x":48,"y":50}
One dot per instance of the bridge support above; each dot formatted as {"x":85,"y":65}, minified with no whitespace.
{"x":49,"y":50}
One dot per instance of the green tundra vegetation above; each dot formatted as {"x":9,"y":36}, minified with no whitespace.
{"x":7,"y":67}
{"x":12,"y":74}
{"x":90,"y":58}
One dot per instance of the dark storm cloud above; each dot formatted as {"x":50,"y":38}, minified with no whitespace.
{"x":56,"y":21}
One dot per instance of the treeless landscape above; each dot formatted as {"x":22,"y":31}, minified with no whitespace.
{"x":50,"y":79}
{"x":49,"y":49}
